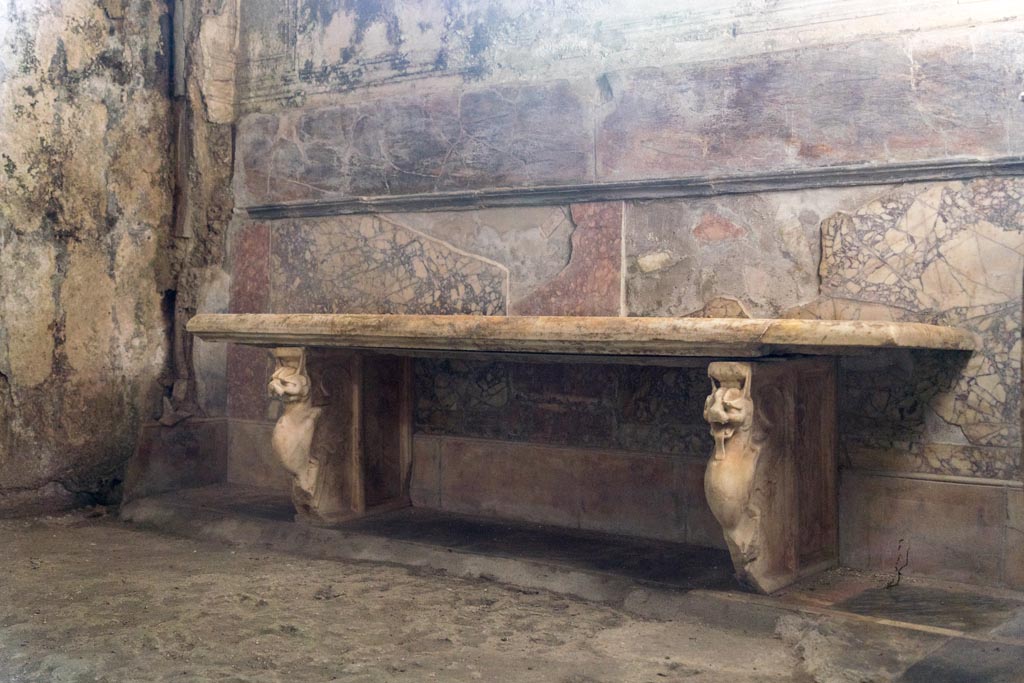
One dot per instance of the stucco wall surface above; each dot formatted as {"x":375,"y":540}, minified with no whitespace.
{"x":85,"y":211}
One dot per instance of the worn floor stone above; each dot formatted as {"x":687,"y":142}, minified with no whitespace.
{"x":87,"y":600}
{"x":963,"y":661}
{"x":935,"y":607}
{"x":92,"y":598}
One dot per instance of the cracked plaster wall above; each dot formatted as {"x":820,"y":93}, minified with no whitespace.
{"x":85,"y":213}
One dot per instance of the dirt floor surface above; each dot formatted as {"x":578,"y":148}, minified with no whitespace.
{"x":91,"y":599}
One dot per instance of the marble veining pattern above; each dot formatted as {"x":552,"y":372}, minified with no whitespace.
{"x":369,"y":265}
{"x":533,"y":242}
{"x":948,"y":253}
{"x":630,"y":408}
{"x":499,"y":136}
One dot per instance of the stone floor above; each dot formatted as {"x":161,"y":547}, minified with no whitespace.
{"x":86,"y":598}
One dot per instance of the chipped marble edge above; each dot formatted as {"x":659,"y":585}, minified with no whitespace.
{"x":710,"y":337}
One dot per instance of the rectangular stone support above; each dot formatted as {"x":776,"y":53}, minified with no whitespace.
{"x":345,"y":432}
{"x":771,"y":480}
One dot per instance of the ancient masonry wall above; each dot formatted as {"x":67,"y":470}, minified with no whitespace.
{"x":85,"y":222}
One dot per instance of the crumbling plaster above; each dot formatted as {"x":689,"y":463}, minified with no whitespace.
{"x":112,"y":201}
{"x":85,"y":208}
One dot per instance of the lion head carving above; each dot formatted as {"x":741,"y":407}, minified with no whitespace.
{"x":728,"y":409}
{"x":289,"y":383}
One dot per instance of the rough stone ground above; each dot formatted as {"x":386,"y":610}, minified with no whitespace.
{"x":92,"y":600}
{"x":86,"y":598}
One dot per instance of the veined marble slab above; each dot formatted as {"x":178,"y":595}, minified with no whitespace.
{"x":577,"y":335}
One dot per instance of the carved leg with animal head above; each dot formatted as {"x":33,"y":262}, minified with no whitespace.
{"x":344,"y":433}
{"x":296,"y":428}
{"x":770,"y":481}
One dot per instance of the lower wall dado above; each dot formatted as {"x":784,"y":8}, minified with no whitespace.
{"x":920,"y":439}
{"x":649,"y":495}
{"x":638,"y":494}
{"x":954,"y":530}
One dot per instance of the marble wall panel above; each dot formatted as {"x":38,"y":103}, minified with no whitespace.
{"x":635,"y":493}
{"x":501,"y":136}
{"x":761,"y":249}
{"x":368,"y":264}
{"x":869,"y":100}
{"x":251,"y":460}
{"x":1014,"y":563}
{"x":249,"y":254}
{"x":590,"y":284}
{"x":561,"y":260}
{"x":628,"y":408}
{"x":556,"y":404}
{"x":248,"y":368}
{"x":949,"y":253}
{"x":954,"y":531}
{"x":425,"y":480}
{"x":534,"y":243}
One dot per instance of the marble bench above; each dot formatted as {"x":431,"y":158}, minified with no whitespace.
{"x":345,"y":432}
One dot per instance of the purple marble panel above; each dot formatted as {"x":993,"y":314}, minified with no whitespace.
{"x":502,"y":136}
{"x":868,"y":101}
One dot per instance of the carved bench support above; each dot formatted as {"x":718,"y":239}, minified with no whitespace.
{"x":345,"y":431}
{"x":771,"y":479}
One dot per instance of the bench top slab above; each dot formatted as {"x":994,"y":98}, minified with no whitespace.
{"x":585,"y":336}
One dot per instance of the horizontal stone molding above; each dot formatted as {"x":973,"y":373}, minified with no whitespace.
{"x":941,"y":478}
{"x":698,"y":186}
